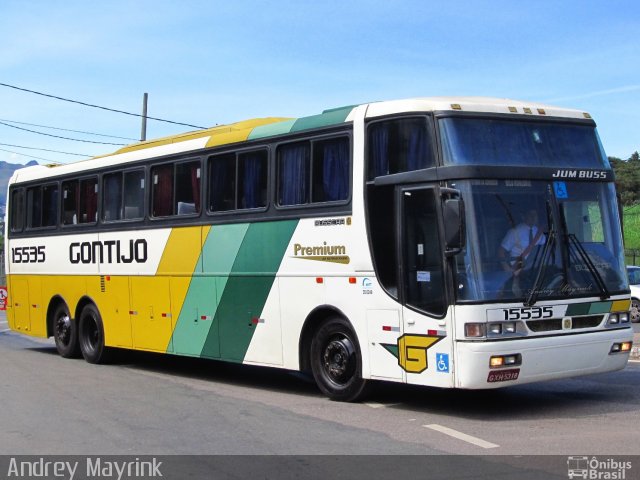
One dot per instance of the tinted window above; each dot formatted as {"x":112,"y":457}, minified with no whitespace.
{"x":238,"y":181}
{"x":314,"y":171}
{"x":396,"y":146}
{"x":17,"y":210}
{"x":480,"y":141}
{"x":80,"y":201}
{"x":42,"y":206}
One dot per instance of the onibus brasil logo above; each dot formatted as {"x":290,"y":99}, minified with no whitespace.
{"x":595,"y":468}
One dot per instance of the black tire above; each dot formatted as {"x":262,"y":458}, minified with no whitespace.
{"x":91,"y":336}
{"x":634,"y":314}
{"x":65,"y":332}
{"x":336,"y":361}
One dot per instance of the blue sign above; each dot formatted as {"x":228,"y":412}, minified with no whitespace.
{"x":442,"y":362}
{"x":560,"y":189}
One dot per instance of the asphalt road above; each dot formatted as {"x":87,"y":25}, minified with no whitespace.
{"x":152,"y":404}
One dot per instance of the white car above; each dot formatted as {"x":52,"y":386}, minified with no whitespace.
{"x":634,"y":284}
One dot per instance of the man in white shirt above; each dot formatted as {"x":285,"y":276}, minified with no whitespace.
{"x":519,"y":241}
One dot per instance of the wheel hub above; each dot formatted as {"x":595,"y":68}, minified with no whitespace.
{"x":339,"y":360}
{"x":63,"y":328}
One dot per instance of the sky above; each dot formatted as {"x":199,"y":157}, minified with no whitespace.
{"x":209,"y":62}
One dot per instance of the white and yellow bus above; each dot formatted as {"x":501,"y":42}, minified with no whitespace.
{"x":365,"y":243}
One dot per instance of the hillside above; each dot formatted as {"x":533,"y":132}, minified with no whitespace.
{"x":6,"y":170}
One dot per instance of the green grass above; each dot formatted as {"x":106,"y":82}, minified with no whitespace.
{"x":632,"y":227}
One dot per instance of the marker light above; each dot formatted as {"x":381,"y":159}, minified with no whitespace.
{"x":475,"y":329}
{"x":495,"y":362}
{"x":509,"y":360}
{"x":621,"y":347}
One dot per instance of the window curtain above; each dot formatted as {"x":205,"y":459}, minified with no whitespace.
{"x":162,"y":178}
{"x":379,"y":154}
{"x":294,"y":162}
{"x":219,"y":178}
{"x":417,"y":146}
{"x":335,"y":168}
{"x":252,"y":174}
{"x":88,"y":201}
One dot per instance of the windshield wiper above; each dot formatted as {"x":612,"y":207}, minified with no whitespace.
{"x":549,"y":245}
{"x":535,"y":289}
{"x":604,"y":292}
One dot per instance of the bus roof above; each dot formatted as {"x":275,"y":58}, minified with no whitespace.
{"x":272,"y":126}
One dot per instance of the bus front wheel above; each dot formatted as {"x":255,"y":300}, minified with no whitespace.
{"x":336,"y":362}
{"x":91,"y":335}
{"x":65,"y":332}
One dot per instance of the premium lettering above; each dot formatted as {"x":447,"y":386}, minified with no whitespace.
{"x":110,"y":251}
{"x":323,"y":250}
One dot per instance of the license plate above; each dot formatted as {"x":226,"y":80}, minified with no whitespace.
{"x":503,"y":375}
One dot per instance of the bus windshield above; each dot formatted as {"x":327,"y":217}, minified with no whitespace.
{"x":486,"y":141}
{"x":537,"y":240}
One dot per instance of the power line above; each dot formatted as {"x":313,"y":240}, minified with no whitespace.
{"x":68,"y":130}
{"x":98,"y":106}
{"x":28,"y":156}
{"x":46,"y":150}
{"x":58,"y":136}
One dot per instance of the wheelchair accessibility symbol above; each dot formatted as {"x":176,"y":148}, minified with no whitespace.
{"x":442,"y":362}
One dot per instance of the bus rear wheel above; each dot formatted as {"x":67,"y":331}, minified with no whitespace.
{"x":65,"y":333}
{"x":336,"y":362}
{"x":91,"y":336}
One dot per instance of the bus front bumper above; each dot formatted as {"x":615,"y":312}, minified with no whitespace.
{"x":547,"y":358}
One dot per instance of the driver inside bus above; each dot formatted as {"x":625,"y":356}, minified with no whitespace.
{"x":519,"y":241}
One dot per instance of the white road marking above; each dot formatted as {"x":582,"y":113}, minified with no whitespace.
{"x":634,"y":361}
{"x":7,"y":330}
{"x":380,"y":405}
{"x":461,"y":436}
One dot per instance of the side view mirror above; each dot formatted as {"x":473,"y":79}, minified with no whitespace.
{"x":454,"y":223}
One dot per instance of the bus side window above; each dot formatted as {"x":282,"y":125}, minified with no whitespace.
{"x":252,"y":179}
{"x":162,"y":185}
{"x":17,"y":210}
{"x":293,"y":174}
{"x":222,"y":183}
{"x":331,"y":170}
{"x":112,"y":197}
{"x":397,"y":146}
{"x":188,"y":181}
{"x":69,"y":202}
{"x":133,"y":194}
{"x":88,"y":202}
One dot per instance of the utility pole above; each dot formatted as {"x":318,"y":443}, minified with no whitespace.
{"x":143,"y":133}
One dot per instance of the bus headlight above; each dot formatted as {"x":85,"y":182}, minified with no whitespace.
{"x":509,"y":327}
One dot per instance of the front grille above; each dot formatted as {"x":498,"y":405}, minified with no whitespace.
{"x":589,"y":321}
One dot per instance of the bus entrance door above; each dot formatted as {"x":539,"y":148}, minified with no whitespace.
{"x":425,"y":348}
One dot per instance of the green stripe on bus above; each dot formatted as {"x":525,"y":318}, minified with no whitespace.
{"x":578,"y":309}
{"x":329,"y":117}
{"x":271,"y":130}
{"x":201,"y":303}
{"x":600,"y":307}
{"x":247,"y":288}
